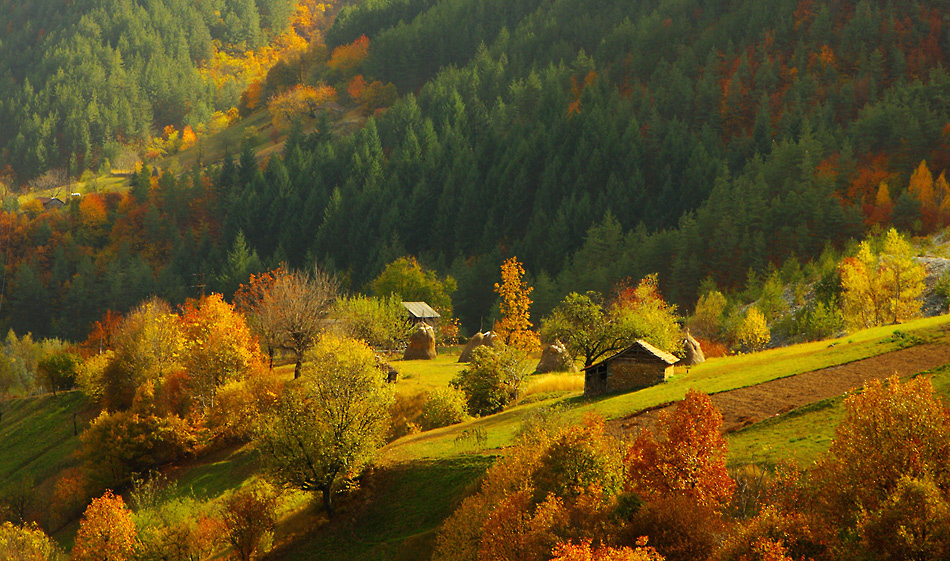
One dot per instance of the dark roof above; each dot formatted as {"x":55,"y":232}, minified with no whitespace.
{"x":643,"y":345}
{"x":420,"y":310}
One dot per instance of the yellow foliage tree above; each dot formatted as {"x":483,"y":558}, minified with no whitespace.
{"x":882,"y":287}
{"x":299,"y":102}
{"x":753,"y":333}
{"x":515,"y":326}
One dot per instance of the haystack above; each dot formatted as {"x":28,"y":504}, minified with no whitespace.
{"x":486,"y":339}
{"x":421,"y":344}
{"x":555,"y":358}
{"x":694,"y":353}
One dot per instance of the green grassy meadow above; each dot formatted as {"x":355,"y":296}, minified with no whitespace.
{"x":36,"y":435}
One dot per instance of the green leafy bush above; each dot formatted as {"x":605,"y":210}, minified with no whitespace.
{"x":492,"y":380}
{"x":445,"y":407}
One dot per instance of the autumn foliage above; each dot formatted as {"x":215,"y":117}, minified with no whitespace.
{"x":106,"y":532}
{"x":514,"y":328}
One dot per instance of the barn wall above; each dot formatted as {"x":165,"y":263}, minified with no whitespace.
{"x":595,"y":383}
{"x":625,"y":375}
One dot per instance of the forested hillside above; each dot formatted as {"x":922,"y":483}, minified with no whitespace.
{"x":597,"y":142}
{"x":79,"y":78}
{"x":700,"y":138}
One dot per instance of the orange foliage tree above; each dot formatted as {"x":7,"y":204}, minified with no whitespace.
{"x":106,"y":532}
{"x":247,"y":301}
{"x":514,"y":328}
{"x":347,"y":58}
{"x":891,"y":430}
{"x":686,"y":457}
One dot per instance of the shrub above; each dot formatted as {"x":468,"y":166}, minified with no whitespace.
{"x":443,"y":408}
{"x":249,"y":518}
{"x":492,"y":380}
{"x":27,"y":544}
{"x":116,"y":446}
{"x":238,"y":406}
{"x":913,"y":523}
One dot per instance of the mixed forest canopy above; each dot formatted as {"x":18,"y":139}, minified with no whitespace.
{"x":697,"y":140}
{"x":78,"y":78}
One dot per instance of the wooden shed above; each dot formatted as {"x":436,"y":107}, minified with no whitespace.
{"x":420,"y":312}
{"x":638,"y":366}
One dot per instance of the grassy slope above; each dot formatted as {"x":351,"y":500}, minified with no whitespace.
{"x":422,"y":477}
{"x":36,"y":436}
{"x":416,"y":484}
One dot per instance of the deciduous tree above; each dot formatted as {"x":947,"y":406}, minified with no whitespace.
{"x":106,"y":531}
{"x":27,"y":543}
{"x":514,"y":328}
{"x":294,"y":308}
{"x":684,"y":455}
{"x":330,"y":422}
{"x":217,"y":346}
{"x":249,"y":518}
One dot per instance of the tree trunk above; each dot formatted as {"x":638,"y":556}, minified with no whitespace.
{"x":327,"y":501}
{"x":298,"y":365}
{"x":270,"y":354}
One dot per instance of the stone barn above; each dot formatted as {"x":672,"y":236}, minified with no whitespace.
{"x":638,"y":366}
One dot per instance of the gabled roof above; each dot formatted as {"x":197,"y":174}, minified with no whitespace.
{"x":420,"y":310}
{"x":640,"y":344}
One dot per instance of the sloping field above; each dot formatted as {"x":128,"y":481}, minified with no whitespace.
{"x":744,"y":406}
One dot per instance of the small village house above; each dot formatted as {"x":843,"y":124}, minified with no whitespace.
{"x":638,"y":366}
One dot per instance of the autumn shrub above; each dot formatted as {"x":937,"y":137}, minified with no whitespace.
{"x":239,"y":404}
{"x":713,"y":349}
{"x":106,"y":531}
{"x":444,"y":407}
{"x":249,"y":516}
{"x":891,"y":430}
{"x":773,"y":534}
{"x":180,"y":529}
{"x":406,"y":414}
{"x":27,"y":543}
{"x":492,"y":380}
{"x":119,"y":444}
{"x":71,"y":493}
{"x":550,"y":487}
{"x":912,"y":523}
{"x":678,"y":526}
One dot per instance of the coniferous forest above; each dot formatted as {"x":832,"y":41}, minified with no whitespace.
{"x":699,"y":140}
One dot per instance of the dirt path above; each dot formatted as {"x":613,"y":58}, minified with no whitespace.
{"x":744,"y":406}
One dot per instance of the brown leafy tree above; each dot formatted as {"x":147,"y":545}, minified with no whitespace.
{"x":294,"y":308}
{"x":249,"y":517}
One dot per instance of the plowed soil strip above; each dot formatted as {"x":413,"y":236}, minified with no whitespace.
{"x":744,"y":406}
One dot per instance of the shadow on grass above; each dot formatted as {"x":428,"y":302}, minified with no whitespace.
{"x":397,"y":514}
